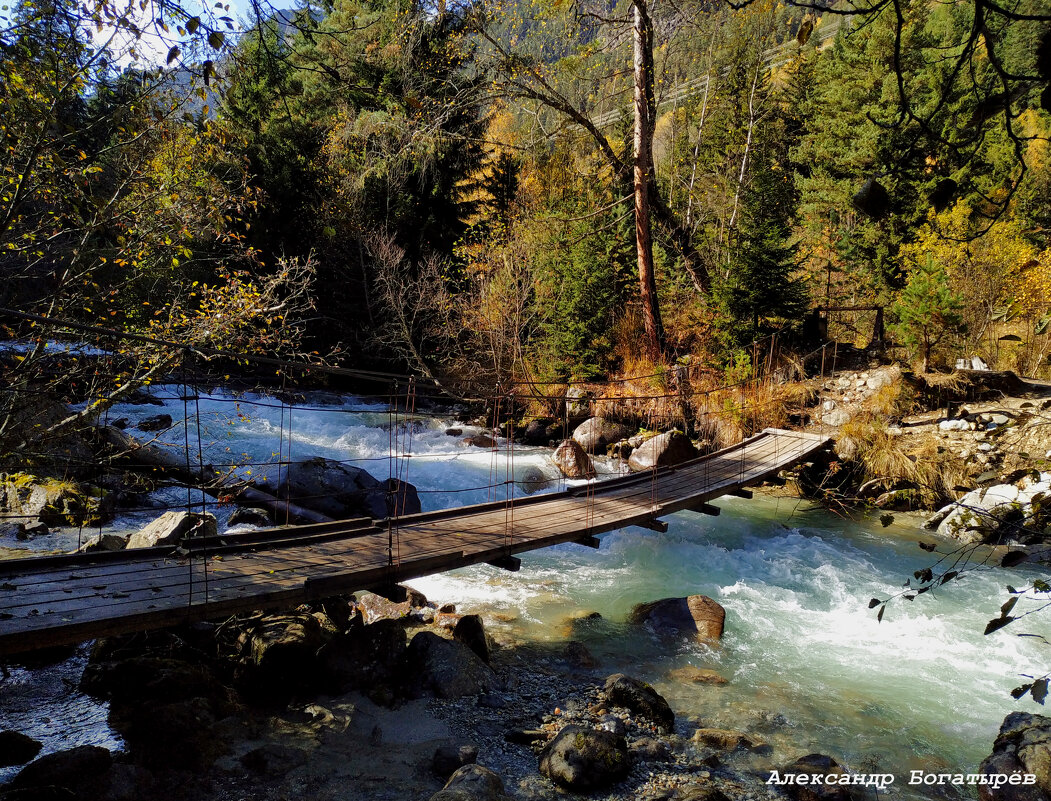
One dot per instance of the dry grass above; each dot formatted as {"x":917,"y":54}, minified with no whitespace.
{"x":895,"y":460}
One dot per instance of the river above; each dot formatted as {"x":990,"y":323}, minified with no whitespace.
{"x":809,"y":666}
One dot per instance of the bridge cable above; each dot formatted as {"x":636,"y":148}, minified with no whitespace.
{"x":200,"y":471}
{"x":391,"y":439}
{"x":509,"y":471}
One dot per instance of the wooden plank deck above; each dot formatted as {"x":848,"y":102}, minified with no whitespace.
{"x":59,"y":600}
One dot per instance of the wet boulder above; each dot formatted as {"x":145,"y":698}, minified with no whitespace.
{"x":669,"y":448}
{"x":479,"y":441}
{"x":640,"y":699}
{"x":171,"y":527}
{"x":472,"y":783}
{"x":537,"y":431}
{"x":158,"y":422}
{"x":696,"y":614}
{"x":727,"y":740}
{"x":17,"y":748}
{"x":103,"y":542}
{"x":596,"y":434}
{"x":470,"y":630}
{"x":820,"y":765}
{"x":446,"y":668}
{"x":340,"y":491}
{"x":82,"y":770}
{"x":583,"y":759}
{"x":250,"y":516}
{"x":532,"y":479}
{"x":1023,"y":746}
{"x":570,"y":458}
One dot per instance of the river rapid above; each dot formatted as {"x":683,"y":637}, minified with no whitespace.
{"x":809,"y":666}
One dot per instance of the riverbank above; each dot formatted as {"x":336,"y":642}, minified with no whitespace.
{"x":794,"y":580}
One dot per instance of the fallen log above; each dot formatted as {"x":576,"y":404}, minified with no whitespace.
{"x":222,"y":486}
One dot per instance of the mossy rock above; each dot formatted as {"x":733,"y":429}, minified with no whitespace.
{"x":54,"y":502}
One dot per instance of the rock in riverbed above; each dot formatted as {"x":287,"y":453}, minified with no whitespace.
{"x":585,"y":759}
{"x":697,"y":614}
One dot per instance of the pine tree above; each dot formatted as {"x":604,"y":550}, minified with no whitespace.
{"x":928,"y":311}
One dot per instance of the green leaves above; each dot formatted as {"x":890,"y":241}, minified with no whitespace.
{"x":216,"y":40}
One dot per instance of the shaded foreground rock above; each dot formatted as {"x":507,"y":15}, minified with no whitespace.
{"x":470,"y":630}
{"x":570,"y":458}
{"x":821,"y":765}
{"x":697,"y":614}
{"x":448,"y":759}
{"x":671,"y":447}
{"x":364,"y":658}
{"x":82,"y":770}
{"x":17,"y":748}
{"x":640,"y":699}
{"x":472,"y":783}
{"x":580,"y":758}
{"x":164,"y":708}
{"x":171,"y":527}
{"x":446,"y":668}
{"x":1022,"y":746}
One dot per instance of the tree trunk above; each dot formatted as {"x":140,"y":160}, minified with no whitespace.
{"x":645,"y":121}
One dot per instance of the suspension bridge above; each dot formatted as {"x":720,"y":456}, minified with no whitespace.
{"x":61,"y":600}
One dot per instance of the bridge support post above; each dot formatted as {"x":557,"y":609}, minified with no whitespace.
{"x":741,"y":493}
{"x":653,"y":524}
{"x":706,"y":509}
{"x":509,"y":563}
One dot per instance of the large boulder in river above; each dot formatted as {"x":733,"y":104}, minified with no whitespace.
{"x":1022,"y":746}
{"x":446,"y":668}
{"x":584,"y":759}
{"x":596,"y":434}
{"x":570,"y":458}
{"x":669,"y":448}
{"x":640,"y":699}
{"x":341,"y":490}
{"x":171,"y":527}
{"x":696,"y":614}
{"x":996,"y":514}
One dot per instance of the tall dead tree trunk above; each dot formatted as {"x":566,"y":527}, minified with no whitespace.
{"x":645,"y":121}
